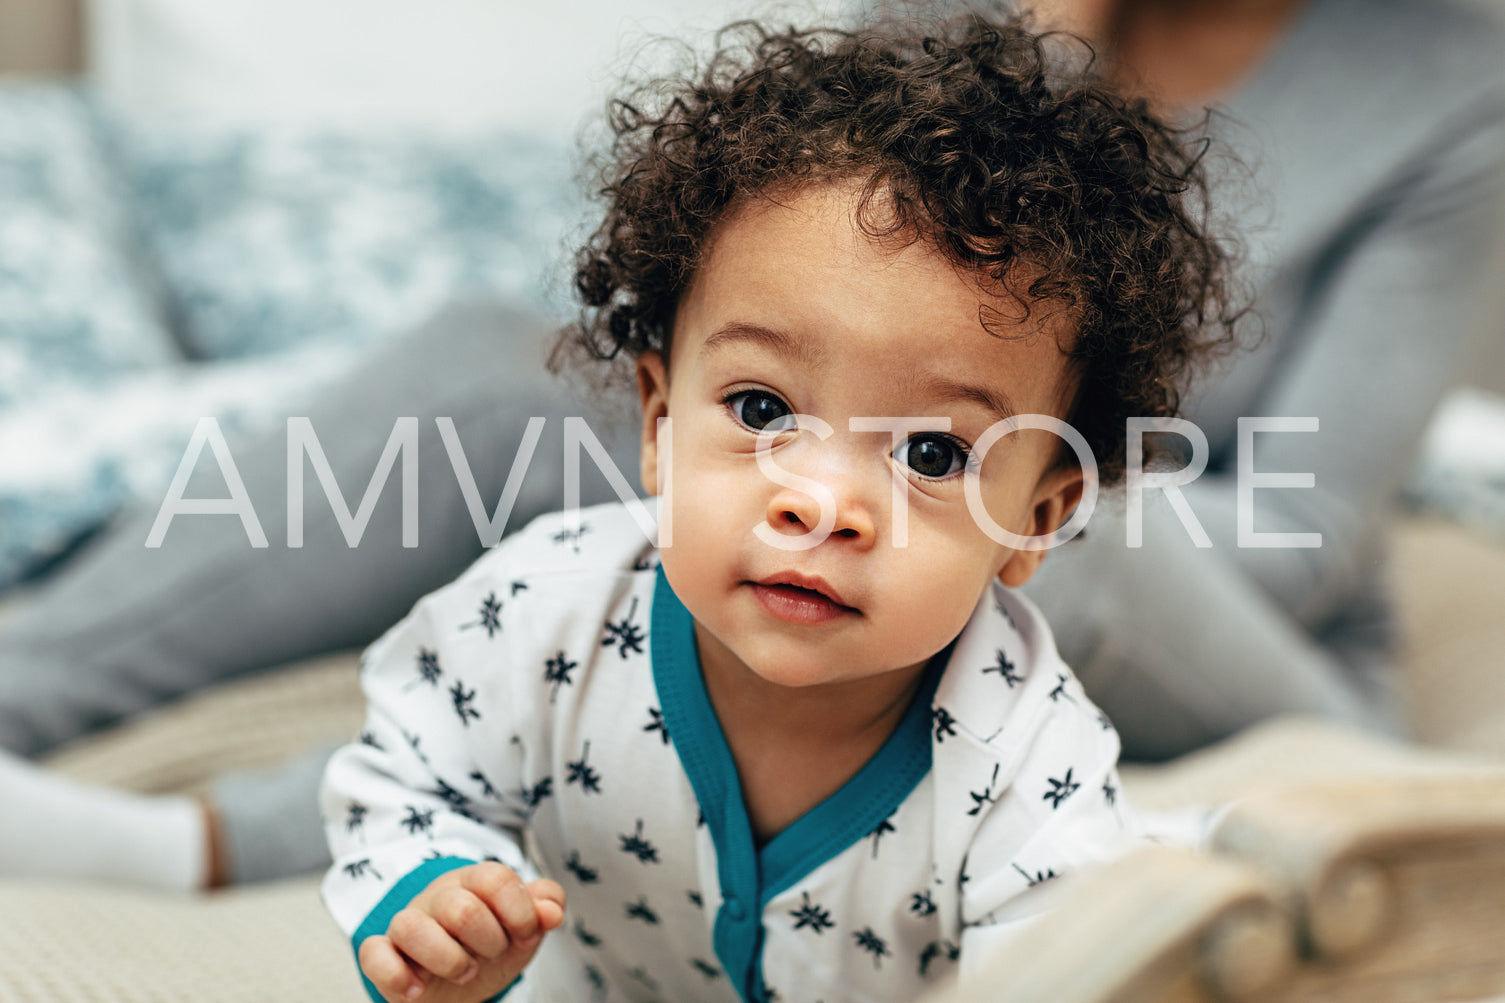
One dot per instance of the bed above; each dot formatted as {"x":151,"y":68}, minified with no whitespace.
{"x":1232,"y":923}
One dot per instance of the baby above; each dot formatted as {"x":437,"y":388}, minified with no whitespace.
{"x":812,"y":745}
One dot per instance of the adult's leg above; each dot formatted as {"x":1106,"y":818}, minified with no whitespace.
{"x":124,"y":628}
{"x":1180,"y":649}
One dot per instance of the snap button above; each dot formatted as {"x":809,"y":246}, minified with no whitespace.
{"x":734,"y":909}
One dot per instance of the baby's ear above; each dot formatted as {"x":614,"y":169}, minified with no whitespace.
{"x":653,"y":395}
{"x":1056,"y":498}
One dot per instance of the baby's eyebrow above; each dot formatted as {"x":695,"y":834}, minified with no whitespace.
{"x":950,"y":391}
{"x":800,"y":350}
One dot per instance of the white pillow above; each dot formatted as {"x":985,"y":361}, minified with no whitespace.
{"x":451,"y":65}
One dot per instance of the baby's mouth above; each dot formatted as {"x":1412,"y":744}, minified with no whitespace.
{"x":800,"y":603}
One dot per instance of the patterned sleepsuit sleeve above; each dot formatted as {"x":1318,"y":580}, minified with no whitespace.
{"x":1063,"y":814}
{"x":410,"y":800}
{"x":1025,"y":772}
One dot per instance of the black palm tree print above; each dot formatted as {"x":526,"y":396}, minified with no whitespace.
{"x":641,"y":976}
{"x":462,"y":699}
{"x":369,"y":738}
{"x":937,"y":949}
{"x":584,"y":875}
{"x":657,"y":723}
{"x":490,"y":618}
{"x":487,"y":791}
{"x":1003,"y":611}
{"x":986,"y":797}
{"x":1061,"y":789}
{"x":1110,"y":793}
{"x":357,"y":869}
{"x":1060,"y":690}
{"x":571,"y":537}
{"x":705,"y":968}
{"x":879,"y":831}
{"x":873,"y":944}
{"x":419,"y":820}
{"x":1005,"y":668}
{"x":626,"y":635}
{"x":695,"y":899}
{"x":519,"y":587}
{"x":1103,"y":722}
{"x":640,"y":910}
{"x":556,"y":672}
{"x":532,"y":796}
{"x":944,"y":723}
{"x":458,"y":802}
{"x":582,"y":773}
{"x":428,"y":669}
{"x":414,"y":741}
{"x":639,"y":847}
{"x":812,"y":916}
{"x":921,"y":904}
{"x":585,"y":936}
{"x":1038,"y":878}
{"x":355,"y":819}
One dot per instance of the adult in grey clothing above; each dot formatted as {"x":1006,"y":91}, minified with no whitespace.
{"x":1375,"y":136}
{"x":125,"y":628}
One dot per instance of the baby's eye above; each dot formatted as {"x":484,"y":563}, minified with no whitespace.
{"x":760,"y":411}
{"x":932,"y":455}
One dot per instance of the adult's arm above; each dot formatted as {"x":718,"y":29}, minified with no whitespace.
{"x":1390,"y":325}
{"x":1182,"y":646}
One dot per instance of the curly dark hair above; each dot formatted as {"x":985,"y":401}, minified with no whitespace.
{"x":978,"y":137}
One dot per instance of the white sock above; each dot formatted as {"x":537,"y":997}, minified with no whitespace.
{"x":54,"y":827}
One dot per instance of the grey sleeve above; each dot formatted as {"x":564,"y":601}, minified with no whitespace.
{"x":1182,"y":646}
{"x":1390,"y":323}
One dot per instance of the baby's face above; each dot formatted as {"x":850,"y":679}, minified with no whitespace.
{"x":795,"y":311}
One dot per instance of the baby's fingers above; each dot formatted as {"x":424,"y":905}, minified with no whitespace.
{"x":501,"y":889}
{"x":470,"y":921}
{"x":421,"y":938}
{"x":548,"y":899}
{"x":388,"y":970}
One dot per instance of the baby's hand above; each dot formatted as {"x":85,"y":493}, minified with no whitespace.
{"x":463,"y":938}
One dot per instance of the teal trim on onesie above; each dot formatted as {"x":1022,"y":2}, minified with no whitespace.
{"x":751,"y":878}
{"x":398,"y":896}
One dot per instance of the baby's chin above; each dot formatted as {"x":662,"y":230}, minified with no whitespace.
{"x":799,"y":677}
{"x":803,"y":672}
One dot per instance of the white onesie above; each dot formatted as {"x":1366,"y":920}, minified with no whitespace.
{"x":547,"y":710}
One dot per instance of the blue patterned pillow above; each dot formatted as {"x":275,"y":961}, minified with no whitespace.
{"x":294,"y":238}
{"x":75,"y":308}
{"x":78,"y":316}
{"x":75,"y":458}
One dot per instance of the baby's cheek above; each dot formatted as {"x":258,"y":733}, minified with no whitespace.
{"x":939,"y":596}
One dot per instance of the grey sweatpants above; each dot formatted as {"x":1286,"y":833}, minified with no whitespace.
{"x":1178,"y":652}
{"x":123,"y":628}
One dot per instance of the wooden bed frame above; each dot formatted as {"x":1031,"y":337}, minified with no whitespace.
{"x":1383,"y":891}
